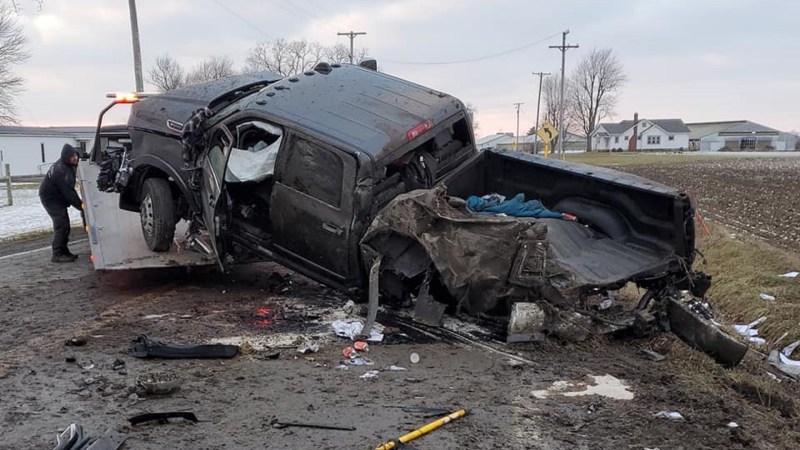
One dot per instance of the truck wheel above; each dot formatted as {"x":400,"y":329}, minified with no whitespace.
{"x":157,"y":213}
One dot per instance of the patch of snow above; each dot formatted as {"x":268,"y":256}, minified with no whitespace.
{"x":27,"y":214}
{"x":603,"y":385}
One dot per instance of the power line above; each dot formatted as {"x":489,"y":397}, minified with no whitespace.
{"x":516,"y":140}
{"x":352,"y":35}
{"x":563,"y":47}
{"x":247,"y":22}
{"x":480,"y":58}
{"x":538,"y":102}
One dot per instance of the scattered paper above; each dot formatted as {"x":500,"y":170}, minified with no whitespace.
{"x":790,"y":275}
{"x":733,"y":425}
{"x":767,"y":297}
{"x":396,"y":369}
{"x":750,"y":332}
{"x":351,"y":329}
{"x":370,"y":374}
{"x":308,"y":347}
{"x":669,"y":415}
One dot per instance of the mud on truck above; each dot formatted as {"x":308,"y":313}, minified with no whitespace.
{"x":365,"y":182}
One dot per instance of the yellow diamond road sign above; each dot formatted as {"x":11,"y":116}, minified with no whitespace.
{"x":547,"y":133}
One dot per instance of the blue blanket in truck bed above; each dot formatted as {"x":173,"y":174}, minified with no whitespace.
{"x":516,"y":207}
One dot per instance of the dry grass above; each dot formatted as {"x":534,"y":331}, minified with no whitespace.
{"x":742,"y":268}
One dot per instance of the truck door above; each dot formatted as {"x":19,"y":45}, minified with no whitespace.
{"x":312,"y":206}
{"x":213,"y":194}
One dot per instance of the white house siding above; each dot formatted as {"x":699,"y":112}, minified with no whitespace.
{"x":24,"y":153}
{"x":680,"y":140}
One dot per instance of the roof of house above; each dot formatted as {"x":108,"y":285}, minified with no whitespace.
{"x":47,"y":131}
{"x":702,"y":129}
{"x":668,"y":125}
{"x":508,"y":139}
{"x":490,"y":139}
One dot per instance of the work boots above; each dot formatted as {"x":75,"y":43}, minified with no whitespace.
{"x":62,"y":258}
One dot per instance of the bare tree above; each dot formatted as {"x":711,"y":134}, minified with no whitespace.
{"x":593,"y":89}
{"x":551,"y":92}
{"x":291,"y":57}
{"x":12,"y":52}
{"x":17,"y":7}
{"x":167,"y":74}
{"x":471,"y":111}
{"x":210,"y":69}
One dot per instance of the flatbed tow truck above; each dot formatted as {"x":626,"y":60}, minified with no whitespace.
{"x":115,"y":234}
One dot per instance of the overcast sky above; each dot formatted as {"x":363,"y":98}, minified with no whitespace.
{"x":699,"y":60}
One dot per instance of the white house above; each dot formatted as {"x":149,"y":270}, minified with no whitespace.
{"x":652,"y":135}
{"x":738,"y":135}
{"x":31,"y":150}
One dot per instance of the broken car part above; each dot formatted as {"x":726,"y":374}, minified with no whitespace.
{"x":422,"y":431}
{"x":281,"y":424}
{"x":163,"y":417}
{"x":144,"y":347}
{"x":702,"y":334}
{"x":74,"y":438}
{"x":158,"y":383}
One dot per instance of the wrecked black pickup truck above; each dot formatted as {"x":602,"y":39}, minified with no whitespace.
{"x":359,"y":180}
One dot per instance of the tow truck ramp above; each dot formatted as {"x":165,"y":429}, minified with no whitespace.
{"x":115,"y":235}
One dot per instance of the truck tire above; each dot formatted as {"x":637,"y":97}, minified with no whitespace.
{"x":157,"y":214}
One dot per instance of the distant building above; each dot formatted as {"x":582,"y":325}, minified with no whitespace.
{"x":32,"y":150}
{"x":506,"y":141}
{"x":738,"y":135}
{"x":651,"y":135}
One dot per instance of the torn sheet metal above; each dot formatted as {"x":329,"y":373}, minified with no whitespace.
{"x":487,"y":263}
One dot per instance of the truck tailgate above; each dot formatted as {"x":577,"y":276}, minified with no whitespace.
{"x":115,"y":236}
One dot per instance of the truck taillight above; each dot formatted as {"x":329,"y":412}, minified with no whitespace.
{"x":419,"y":129}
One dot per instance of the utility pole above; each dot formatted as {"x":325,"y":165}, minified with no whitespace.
{"x":538,"y":101}
{"x":137,"y":52}
{"x":563,"y":47}
{"x":516,"y":140}
{"x":352,"y":35}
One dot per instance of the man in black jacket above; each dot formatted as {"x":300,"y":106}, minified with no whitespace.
{"x":57,"y":193}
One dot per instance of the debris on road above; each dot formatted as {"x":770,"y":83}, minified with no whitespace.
{"x":732,"y":425}
{"x":74,"y":438}
{"x":163,"y":418}
{"x":352,"y":329}
{"x":405,"y":439}
{"x":118,"y":364}
{"x":309,"y":346}
{"x":158,"y":383}
{"x":790,"y":275}
{"x":321,"y":426}
{"x":144,"y":347}
{"x":76,"y":341}
{"x":395,"y":369}
{"x":414,"y":357}
{"x":669,"y":415}
{"x":370,"y":374}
